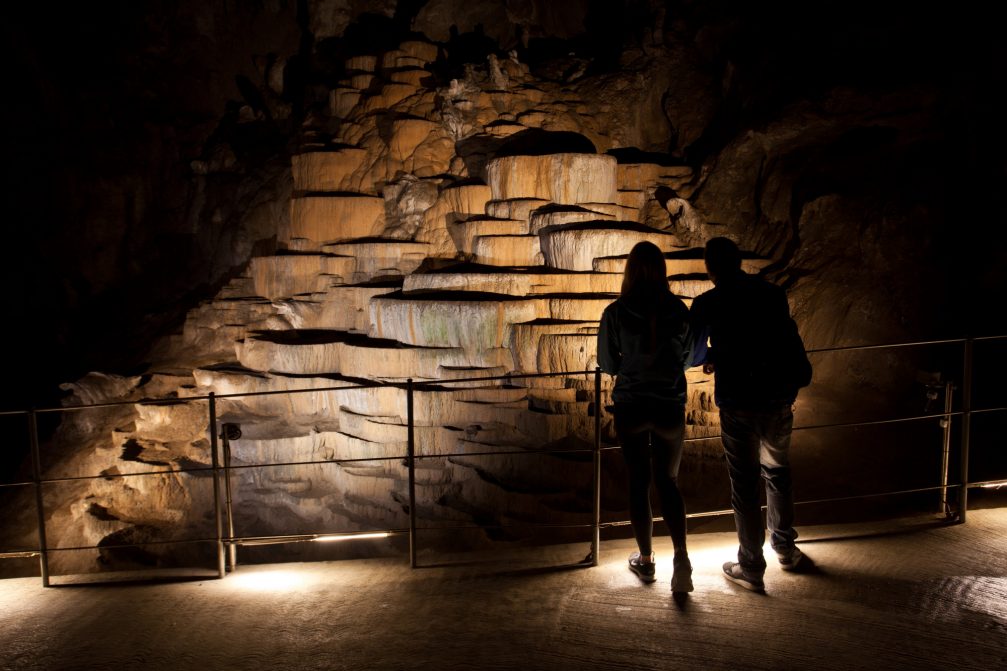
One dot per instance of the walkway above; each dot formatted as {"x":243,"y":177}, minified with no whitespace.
{"x":895,"y":595}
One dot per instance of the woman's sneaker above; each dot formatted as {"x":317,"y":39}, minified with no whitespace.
{"x":736,"y":574}
{"x":681,"y":579}
{"x":642,"y":566}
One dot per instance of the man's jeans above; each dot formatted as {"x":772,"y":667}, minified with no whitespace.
{"x":759,"y":443}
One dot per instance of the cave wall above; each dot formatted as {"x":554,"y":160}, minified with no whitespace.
{"x":846,"y":150}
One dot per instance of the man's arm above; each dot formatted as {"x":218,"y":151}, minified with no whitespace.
{"x":699,"y":335}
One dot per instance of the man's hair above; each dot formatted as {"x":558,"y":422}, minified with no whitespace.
{"x":722,"y":257}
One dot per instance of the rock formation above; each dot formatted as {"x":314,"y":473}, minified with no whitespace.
{"x":440,"y":228}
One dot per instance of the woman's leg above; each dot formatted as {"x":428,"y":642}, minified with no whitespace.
{"x":666,"y":450}
{"x":634,"y":439}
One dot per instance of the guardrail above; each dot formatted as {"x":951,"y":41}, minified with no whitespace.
{"x":221,"y":468}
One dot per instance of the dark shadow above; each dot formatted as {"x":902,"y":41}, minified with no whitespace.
{"x":635,"y":155}
{"x":136,"y":581}
{"x":518,"y":572}
{"x":681,"y":600}
{"x":807,"y":566}
{"x":478,"y":149}
{"x":538,"y":142}
{"x":881,"y":533}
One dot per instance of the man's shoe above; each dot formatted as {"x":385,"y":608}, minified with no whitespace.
{"x":790,"y":560}
{"x":736,"y":574}
{"x":642,"y":566}
{"x":681,"y":579}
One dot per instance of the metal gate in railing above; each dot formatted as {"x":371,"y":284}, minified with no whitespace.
{"x":221,"y":469}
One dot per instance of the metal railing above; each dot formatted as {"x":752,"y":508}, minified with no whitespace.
{"x":221,"y":467}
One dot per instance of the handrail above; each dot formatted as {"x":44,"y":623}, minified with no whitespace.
{"x":432,"y":383}
{"x":219,"y":468}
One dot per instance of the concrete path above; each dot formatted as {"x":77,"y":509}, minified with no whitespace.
{"x":903,"y":594}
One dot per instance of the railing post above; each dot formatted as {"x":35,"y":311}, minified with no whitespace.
{"x":963,"y":492}
{"x":229,"y":432}
{"x":36,"y":468}
{"x":945,"y":505}
{"x":596,"y":472}
{"x":411,"y":464}
{"x":221,"y":567}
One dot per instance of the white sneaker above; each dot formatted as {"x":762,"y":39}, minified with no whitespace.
{"x":790,"y":559}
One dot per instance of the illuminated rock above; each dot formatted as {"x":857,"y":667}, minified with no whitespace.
{"x":678,"y":263}
{"x":336,"y":218}
{"x":507,"y":250}
{"x":549,"y":217}
{"x":340,"y":307}
{"x":464,"y":233}
{"x":380,"y":258}
{"x":566,"y":352}
{"x":328,"y":170}
{"x":568,"y":179}
{"x":398,"y":263}
{"x":296,"y":274}
{"x":579,"y":307}
{"x":342,"y":101}
{"x":388,"y":96}
{"x":577,"y":246}
{"x":515,"y":208}
{"x":453,"y":204}
{"x":407,"y":135}
{"x":362,"y":63}
{"x":467,"y":320}
{"x":514,"y":282}
{"x":526,"y":336}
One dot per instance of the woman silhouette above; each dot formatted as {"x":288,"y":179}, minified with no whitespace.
{"x":644,"y":341}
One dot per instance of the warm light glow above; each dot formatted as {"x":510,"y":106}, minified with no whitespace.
{"x":347,"y":537}
{"x":268,"y":581}
{"x":994,"y":485}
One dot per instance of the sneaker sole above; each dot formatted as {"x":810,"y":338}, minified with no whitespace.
{"x":752,"y":587}
{"x":793,"y":565}
{"x":644,"y":577}
{"x":682,"y":589}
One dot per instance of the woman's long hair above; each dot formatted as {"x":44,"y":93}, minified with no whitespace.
{"x":646,"y":272}
{"x":646,"y":281}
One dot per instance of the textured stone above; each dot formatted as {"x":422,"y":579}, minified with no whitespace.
{"x":328,"y":170}
{"x":548,"y":217}
{"x":507,"y":250}
{"x":295,"y":274}
{"x":342,"y":101}
{"x":464,"y":233}
{"x":381,"y":258}
{"x":336,"y":218}
{"x":575,"y":247}
{"x":515,"y":283}
{"x":568,"y":179}
{"x":472,"y":321}
{"x":342,"y":307}
{"x":390,"y":94}
{"x":525,"y":338}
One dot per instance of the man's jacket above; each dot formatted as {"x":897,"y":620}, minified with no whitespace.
{"x":758,"y":357}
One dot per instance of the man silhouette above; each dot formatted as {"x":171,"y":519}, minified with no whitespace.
{"x":759,"y":364}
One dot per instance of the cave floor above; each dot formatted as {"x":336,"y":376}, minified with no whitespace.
{"x":899,"y":594}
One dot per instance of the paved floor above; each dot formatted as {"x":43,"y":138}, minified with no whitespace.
{"x":904,"y":594}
